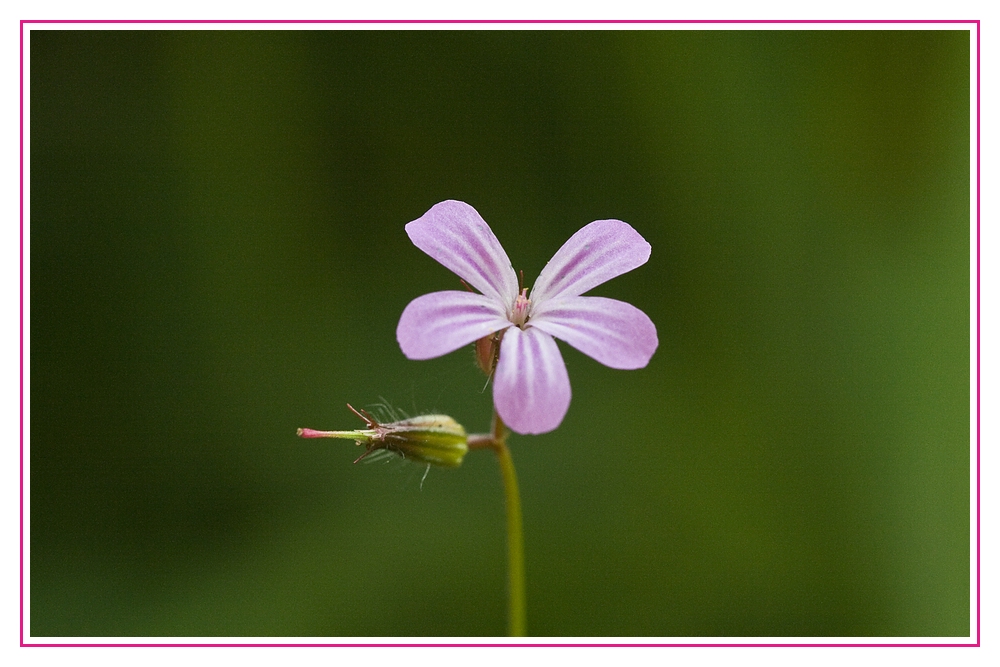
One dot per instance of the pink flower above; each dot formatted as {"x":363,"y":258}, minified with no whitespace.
{"x":531,"y":390}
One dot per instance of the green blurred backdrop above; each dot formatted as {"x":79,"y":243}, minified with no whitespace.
{"x":218,"y":257}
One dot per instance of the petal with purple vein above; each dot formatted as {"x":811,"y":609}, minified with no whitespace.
{"x":453,"y":233}
{"x":531,"y":389}
{"x":594,"y":255}
{"x":613,"y":332}
{"x":441,"y":322}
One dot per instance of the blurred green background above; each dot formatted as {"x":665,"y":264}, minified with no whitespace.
{"x":218,"y":257}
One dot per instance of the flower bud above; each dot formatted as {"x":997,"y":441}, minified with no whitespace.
{"x":487,"y":349}
{"x":434,"y":439}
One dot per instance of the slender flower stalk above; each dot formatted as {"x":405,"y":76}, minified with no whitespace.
{"x":517,"y":618}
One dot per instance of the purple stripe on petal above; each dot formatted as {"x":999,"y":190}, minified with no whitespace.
{"x":454,"y":234}
{"x":613,"y":332}
{"x":531,"y":386}
{"x":441,"y":322}
{"x":595,"y":254}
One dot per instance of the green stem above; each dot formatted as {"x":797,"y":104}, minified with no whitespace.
{"x":515,"y":544}
{"x":497,"y":441}
{"x":517,"y":609}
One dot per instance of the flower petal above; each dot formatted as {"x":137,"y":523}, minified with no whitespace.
{"x":453,"y":233}
{"x":531,"y":387}
{"x":613,"y":332}
{"x":594,"y":255}
{"x":441,"y":322}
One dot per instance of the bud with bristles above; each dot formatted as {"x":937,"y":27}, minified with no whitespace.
{"x":434,"y":439}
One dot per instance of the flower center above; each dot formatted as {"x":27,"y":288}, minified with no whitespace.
{"x":521,"y":305}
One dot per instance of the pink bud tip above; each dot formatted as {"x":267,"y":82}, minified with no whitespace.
{"x":310,"y":433}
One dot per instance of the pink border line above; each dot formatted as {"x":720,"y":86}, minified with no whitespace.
{"x":509,"y":21}
{"x":979,"y":412}
{"x":976,"y":22}
{"x":522,"y":645}
{"x":506,"y":21}
{"x":21,"y":318}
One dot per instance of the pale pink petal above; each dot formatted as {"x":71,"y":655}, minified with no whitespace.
{"x":454,"y":234}
{"x":595,"y":254}
{"x":613,"y":332}
{"x":531,"y":386}
{"x":441,"y":322}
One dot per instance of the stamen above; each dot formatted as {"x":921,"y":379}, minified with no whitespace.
{"x":521,"y":307}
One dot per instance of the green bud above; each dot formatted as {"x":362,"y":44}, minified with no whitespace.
{"x":435,"y":439}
